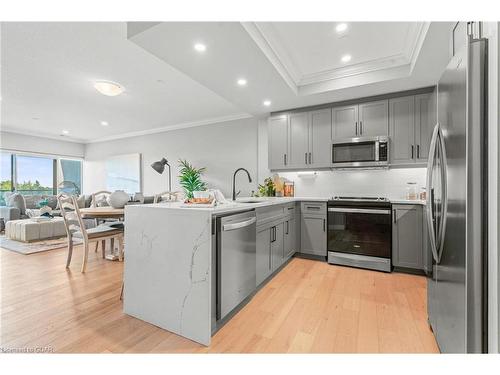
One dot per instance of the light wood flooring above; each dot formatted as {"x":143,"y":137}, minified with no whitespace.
{"x":309,"y":307}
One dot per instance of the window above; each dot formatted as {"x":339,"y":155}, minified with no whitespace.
{"x":5,"y":175}
{"x":70,"y":176}
{"x":36,"y":175}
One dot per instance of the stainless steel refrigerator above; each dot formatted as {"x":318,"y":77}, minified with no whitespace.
{"x":456,"y":201}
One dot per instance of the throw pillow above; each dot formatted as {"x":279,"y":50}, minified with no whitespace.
{"x":17,"y":200}
{"x":81,"y":201}
{"x":102,"y":201}
{"x":52,"y":201}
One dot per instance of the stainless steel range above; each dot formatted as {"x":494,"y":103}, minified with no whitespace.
{"x":359,"y":232}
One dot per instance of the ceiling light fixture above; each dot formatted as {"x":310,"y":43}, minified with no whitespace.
{"x":267,"y":103}
{"x":108,"y":88}
{"x":200,"y":47}
{"x":242,"y":82}
{"x":104,"y":123}
{"x":341,"y":27}
{"x":346,"y":58}
{"x":65,"y":132}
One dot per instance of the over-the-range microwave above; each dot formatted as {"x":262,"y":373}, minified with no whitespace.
{"x":367,"y":152}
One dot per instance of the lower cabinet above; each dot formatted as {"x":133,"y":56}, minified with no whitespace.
{"x":313,"y":234}
{"x":263,"y":254}
{"x":290,"y":235}
{"x":407,"y":237}
{"x":277,"y":248}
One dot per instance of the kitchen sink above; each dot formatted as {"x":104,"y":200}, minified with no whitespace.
{"x":250,"y":200}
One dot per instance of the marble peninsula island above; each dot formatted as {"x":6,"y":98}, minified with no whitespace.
{"x":174,"y":261}
{"x":170,"y":275}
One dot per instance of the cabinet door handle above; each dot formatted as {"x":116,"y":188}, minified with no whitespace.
{"x":356,"y":127}
{"x":284,"y":158}
{"x":360,"y":127}
{"x":394,"y":215}
{"x":418,"y":151}
{"x":412,"y":147}
{"x":305,"y":157}
{"x":324,"y":225}
{"x":310,"y":158}
{"x":287,"y":227}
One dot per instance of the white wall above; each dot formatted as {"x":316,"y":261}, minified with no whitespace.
{"x":221,"y":148}
{"x":31,"y":144}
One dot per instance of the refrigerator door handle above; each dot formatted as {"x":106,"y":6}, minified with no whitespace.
{"x":429,"y":188}
{"x":444,"y":192}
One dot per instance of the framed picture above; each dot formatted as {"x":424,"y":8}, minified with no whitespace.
{"x":123,"y":172}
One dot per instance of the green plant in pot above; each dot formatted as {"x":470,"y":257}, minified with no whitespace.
{"x":267,"y":189}
{"x":190,"y":178}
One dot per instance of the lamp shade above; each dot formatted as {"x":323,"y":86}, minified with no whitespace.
{"x":159,"y":166}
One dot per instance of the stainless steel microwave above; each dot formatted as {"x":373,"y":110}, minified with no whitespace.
{"x":361,"y":152}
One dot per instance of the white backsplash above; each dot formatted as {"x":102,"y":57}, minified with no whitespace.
{"x":389,"y":183}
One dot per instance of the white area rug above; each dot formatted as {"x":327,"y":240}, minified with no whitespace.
{"x":33,"y":247}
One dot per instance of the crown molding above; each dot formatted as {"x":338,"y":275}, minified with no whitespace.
{"x":265,"y":38}
{"x":62,"y":138}
{"x":163,"y":129}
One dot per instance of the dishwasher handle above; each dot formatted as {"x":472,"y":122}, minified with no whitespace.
{"x":238,"y":225}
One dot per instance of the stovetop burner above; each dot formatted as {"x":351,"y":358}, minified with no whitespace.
{"x":360,"y":199}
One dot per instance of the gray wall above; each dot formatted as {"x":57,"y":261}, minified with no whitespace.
{"x":27,"y":143}
{"x":221,"y":148}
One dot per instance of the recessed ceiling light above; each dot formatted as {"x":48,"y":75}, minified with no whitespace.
{"x":200,"y":47}
{"x":341,"y":27}
{"x":242,"y":82}
{"x":104,"y":123}
{"x":108,"y":88}
{"x":346,"y":58}
{"x":35,"y":118}
{"x":65,"y":131}
{"x":267,"y":103}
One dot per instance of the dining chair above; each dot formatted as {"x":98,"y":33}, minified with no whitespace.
{"x":75,"y":229}
{"x":97,"y":196}
{"x":166,"y":196}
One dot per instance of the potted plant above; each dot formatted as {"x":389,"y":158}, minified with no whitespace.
{"x":190,"y":178}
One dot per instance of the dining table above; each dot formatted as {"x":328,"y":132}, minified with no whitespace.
{"x":104,"y":213}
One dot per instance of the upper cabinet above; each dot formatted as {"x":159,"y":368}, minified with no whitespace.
{"x":361,"y":120}
{"x":412,"y":119}
{"x":300,"y":140}
{"x":303,"y":140}
{"x":278,"y":142}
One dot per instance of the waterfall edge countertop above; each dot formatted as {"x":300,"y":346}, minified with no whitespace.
{"x":168,"y":263}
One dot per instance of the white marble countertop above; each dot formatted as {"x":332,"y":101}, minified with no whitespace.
{"x":262,"y":202}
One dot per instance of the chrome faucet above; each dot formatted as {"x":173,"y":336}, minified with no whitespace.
{"x":234,"y":180}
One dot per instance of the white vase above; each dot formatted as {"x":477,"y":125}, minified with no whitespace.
{"x":118,"y":199}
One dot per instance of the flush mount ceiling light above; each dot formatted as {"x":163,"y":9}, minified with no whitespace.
{"x":267,"y":103}
{"x":65,"y":132}
{"x":346,"y":58}
{"x":341,"y":27}
{"x":104,"y":123}
{"x":242,"y":82}
{"x":200,"y":47}
{"x":108,"y":88}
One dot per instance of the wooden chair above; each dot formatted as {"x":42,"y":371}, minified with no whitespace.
{"x":167,"y":196}
{"x":98,"y":195}
{"x":75,"y":229}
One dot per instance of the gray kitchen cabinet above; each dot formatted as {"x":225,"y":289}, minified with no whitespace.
{"x":298,"y":140}
{"x":412,"y":120}
{"x":373,"y":119}
{"x":278,"y":142}
{"x":320,"y":138}
{"x":263,"y":254}
{"x":402,"y":130}
{"x":345,"y":122}
{"x":407,"y":237}
{"x":425,"y":120}
{"x":290,"y":237}
{"x":277,"y":247}
{"x":313,"y":234}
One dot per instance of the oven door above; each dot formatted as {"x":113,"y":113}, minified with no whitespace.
{"x":362,"y":231}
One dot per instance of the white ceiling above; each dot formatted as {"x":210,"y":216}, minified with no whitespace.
{"x":48,"y":70}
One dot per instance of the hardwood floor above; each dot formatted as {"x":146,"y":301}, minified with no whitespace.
{"x":309,"y":307}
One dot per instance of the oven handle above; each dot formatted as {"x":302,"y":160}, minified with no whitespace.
{"x":360,"y":210}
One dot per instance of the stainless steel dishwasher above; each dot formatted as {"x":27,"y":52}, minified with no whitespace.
{"x":236,"y":235}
